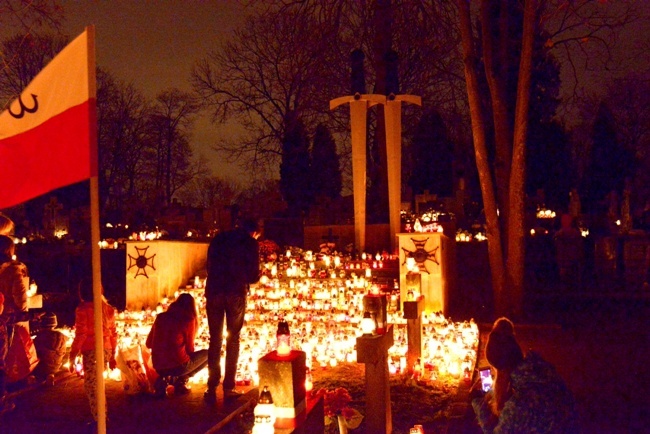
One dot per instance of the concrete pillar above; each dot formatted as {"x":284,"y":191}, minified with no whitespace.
{"x":285,"y":376}
{"x":413,"y":313}
{"x":373,"y":351}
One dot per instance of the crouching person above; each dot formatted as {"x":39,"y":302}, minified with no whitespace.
{"x":528,"y":395}
{"x":50,"y":347}
{"x":171,"y":341}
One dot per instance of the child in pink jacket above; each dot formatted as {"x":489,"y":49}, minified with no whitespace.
{"x":84,"y":340}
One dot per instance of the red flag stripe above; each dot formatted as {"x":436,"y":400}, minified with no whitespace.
{"x":50,"y":156}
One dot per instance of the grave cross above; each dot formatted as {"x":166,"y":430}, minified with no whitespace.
{"x":330,"y":238}
{"x":51,"y":213}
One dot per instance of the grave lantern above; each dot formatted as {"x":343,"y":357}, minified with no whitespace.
{"x":309,"y":382}
{"x":264,"y":411}
{"x":283,"y":336}
{"x":368,"y":325}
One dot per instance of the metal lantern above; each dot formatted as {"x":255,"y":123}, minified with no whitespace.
{"x":263,"y":425}
{"x":283,"y":336}
{"x":264,"y":411}
{"x":376,"y":304}
{"x":368,"y":325}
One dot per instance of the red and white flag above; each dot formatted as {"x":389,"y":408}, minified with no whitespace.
{"x":48,"y":134}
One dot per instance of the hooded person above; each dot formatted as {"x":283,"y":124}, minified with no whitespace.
{"x":504,"y":354}
{"x":50,"y":347}
{"x":528,"y":394}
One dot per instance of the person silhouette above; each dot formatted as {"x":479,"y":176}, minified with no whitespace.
{"x":233,"y":264}
{"x":171,"y":340}
{"x":527,"y":394}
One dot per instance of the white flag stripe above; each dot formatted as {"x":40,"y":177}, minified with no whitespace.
{"x":62,"y":84}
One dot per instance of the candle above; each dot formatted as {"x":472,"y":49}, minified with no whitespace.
{"x":309,"y":384}
{"x":264,"y":412}
{"x":367,"y":324}
{"x":283,"y":336}
{"x":329,"y":312}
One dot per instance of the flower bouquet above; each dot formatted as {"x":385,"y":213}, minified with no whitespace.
{"x":269,"y":250}
{"x":337,"y":408}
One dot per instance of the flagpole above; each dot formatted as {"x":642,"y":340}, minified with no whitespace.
{"x":94,"y":237}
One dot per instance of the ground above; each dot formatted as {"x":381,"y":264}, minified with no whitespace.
{"x":597,"y":336}
{"x":600,"y":347}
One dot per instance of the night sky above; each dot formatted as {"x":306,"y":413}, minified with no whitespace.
{"x":155,"y":44}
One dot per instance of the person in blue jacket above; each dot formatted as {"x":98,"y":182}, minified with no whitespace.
{"x":528,"y":395}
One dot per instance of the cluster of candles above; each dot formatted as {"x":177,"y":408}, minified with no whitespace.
{"x":465,"y":236}
{"x":544,"y":213}
{"x":427,"y":221}
{"x":109,"y":244}
{"x":323,"y":317}
{"x":426,"y":227}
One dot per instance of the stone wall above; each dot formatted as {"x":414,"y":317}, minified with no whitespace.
{"x":156,"y":269}
{"x":434,"y":255}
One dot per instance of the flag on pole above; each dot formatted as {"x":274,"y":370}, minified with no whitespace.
{"x":48,"y":139}
{"x":48,"y":133}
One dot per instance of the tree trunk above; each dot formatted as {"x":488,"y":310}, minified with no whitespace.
{"x":495,"y":60}
{"x":516,"y":240}
{"x":495,"y":251}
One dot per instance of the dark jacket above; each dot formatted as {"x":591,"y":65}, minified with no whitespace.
{"x":541,"y":402}
{"x":233,"y":263}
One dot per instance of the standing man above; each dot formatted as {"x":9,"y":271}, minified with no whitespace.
{"x":233,"y":264}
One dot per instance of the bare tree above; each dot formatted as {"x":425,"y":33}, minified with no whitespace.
{"x":23,"y":57}
{"x":296,"y":56}
{"x":170,"y":163}
{"x":261,"y":200}
{"x":270,"y":68}
{"x":584,"y":35}
{"x":123,"y":139}
{"x":503,"y":192}
{"x":210,"y":192}
{"x":26,"y":53}
{"x":29,"y":15}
